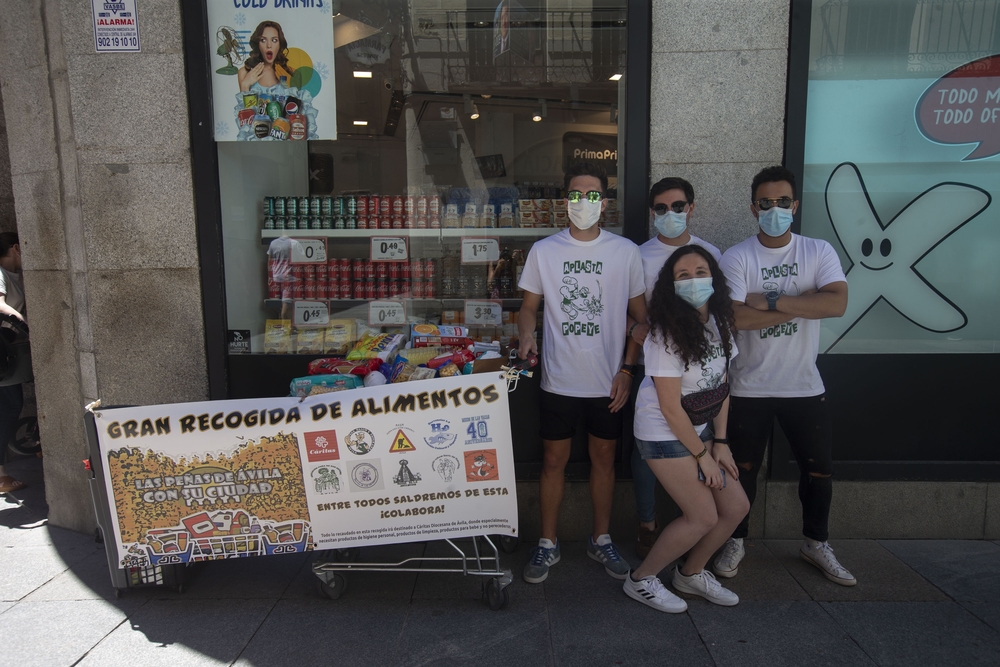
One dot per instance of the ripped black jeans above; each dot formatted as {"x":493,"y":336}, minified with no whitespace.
{"x":806,"y":422}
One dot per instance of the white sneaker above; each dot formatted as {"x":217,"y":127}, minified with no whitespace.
{"x":822,"y":557}
{"x":651,"y":591}
{"x":727,"y":564}
{"x":706,"y":585}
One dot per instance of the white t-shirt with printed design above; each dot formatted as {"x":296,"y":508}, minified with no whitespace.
{"x":586,"y":287}
{"x":780,"y":361}
{"x":650,"y":424}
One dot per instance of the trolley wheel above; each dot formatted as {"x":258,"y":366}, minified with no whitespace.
{"x":349,"y":555}
{"x":334,"y":589}
{"x":497,"y":596}
{"x":509,"y":543}
{"x":25,"y":441}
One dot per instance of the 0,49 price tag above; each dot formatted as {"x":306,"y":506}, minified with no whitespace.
{"x":308,"y":251}
{"x":480,"y":251}
{"x":311,"y":314}
{"x":389,"y":249}
{"x":386,"y":313}
{"x":483,"y":313}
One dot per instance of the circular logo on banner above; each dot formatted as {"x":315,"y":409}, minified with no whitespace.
{"x":360,"y":441}
{"x":365,"y":475}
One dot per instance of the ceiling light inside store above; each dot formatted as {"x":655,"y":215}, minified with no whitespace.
{"x":361,"y":122}
{"x":613,"y":77}
{"x":486,"y":97}
{"x":475,"y":112}
{"x":362,"y":75}
{"x":537,"y":117}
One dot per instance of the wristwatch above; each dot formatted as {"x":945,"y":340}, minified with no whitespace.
{"x":772,"y":300}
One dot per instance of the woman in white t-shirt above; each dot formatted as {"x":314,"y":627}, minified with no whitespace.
{"x":687,"y":350}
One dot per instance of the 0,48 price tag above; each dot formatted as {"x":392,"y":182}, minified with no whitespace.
{"x":386,"y":313}
{"x":308,"y":251}
{"x":483,"y":313}
{"x":311,"y":314}
{"x":389,"y":249}
{"x":480,"y":251}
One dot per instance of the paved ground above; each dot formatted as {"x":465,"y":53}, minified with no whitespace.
{"x":917,"y":602}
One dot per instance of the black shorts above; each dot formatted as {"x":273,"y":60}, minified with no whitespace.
{"x":559,"y":416}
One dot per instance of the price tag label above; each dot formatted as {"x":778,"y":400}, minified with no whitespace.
{"x":308,"y":251}
{"x":311,"y":314}
{"x":480,"y":251}
{"x":483,"y":313}
{"x":389,"y":249}
{"x":386,"y":313}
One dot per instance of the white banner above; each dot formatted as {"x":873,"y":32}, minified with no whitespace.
{"x":406,"y":462}
{"x":272,"y":70}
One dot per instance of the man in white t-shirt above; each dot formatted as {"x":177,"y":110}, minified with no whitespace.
{"x":11,"y":304}
{"x":671,"y":206}
{"x":782,"y":285}
{"x":592,"y":281}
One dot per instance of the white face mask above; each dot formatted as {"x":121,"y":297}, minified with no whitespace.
{"x":584,"y":214}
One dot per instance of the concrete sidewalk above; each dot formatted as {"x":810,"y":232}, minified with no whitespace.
{"x":917,"y":602}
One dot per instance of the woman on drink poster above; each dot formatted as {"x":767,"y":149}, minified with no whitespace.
{"x":283,"y":92}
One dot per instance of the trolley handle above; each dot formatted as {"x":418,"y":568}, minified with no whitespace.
{"x":12,"y":322}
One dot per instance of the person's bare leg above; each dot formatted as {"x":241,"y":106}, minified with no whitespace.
{"x":602,"y":482}
{"x":732,"y":505}
{"x":680,"y":479}
{"x":552,"y":483}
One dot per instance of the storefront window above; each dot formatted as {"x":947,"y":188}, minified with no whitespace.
{"x":453,"y":125}
{"x":901,"y":167}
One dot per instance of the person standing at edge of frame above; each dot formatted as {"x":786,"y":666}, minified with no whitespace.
{"x":671,"y":205}
{"x":592,"y":281}
{"x":782,"y":285}
{"x":11,"y":303}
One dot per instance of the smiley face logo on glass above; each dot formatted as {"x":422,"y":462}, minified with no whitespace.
{"x":868,"y":247}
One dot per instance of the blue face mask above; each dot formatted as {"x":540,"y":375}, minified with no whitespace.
{"x":696,"y":291}
{"x":775,"y":221}
{"x":671,"y":224}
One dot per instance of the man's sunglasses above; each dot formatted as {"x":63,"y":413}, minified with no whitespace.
{"x":780,"y":202}
{"x":575,"y":195}
{"x":677,"y":207}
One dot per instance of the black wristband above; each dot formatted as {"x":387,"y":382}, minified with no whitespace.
{"x":721,"y":441}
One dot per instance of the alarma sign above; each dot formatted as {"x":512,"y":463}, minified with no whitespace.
{"x":116,"y":26}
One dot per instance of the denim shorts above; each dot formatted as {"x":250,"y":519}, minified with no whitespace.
{"x":668,"y":449}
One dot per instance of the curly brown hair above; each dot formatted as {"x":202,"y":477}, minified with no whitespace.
{"x":678,"y":323}
{"x":256,"y":57}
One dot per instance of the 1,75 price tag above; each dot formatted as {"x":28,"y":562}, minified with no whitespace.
{"x":311,"y":313}
{"x":483,"y":313}
{"x":389,"y":249}
{"x":386,"y":313}
{"x":308,"y":251}
{"x":480,"y":251}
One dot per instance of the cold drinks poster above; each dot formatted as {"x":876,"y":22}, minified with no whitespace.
{"x":407,"y":462}
{"x":272,"y":70}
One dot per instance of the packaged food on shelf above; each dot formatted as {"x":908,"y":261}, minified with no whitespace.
{"x":449,"y":370}
{"x":379,"y":346}
{"x":341,"y":366}
{"x":311,"y":385}
{"x":309,"y":341}
{"x":278,"y":337}
{"x":429,"y":335}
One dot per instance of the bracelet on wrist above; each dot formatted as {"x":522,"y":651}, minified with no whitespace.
{"x":703,"y":452}
{"x":632,"y":328}
{"x":721,"y":441}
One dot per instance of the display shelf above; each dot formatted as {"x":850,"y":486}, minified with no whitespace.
{"x":499,"y":232}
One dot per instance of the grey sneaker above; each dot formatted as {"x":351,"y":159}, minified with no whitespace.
{"x":606,"y":553}
{"x":727,"y":564}
{"x":706,"y":585}
{"x":650,"y":591}
{"x":542,"y":557}
{"x":822,"y":557}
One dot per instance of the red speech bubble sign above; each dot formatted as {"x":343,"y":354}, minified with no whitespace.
{"x":963,"y":107}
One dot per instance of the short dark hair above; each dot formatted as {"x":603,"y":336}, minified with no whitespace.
{"x":771,"y":175}
{"x":587,"y":169}
{"x":671,"y":183}
{"x":7,"y":241}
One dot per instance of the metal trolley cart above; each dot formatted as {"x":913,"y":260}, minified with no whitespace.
{"x":482,"y":561}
